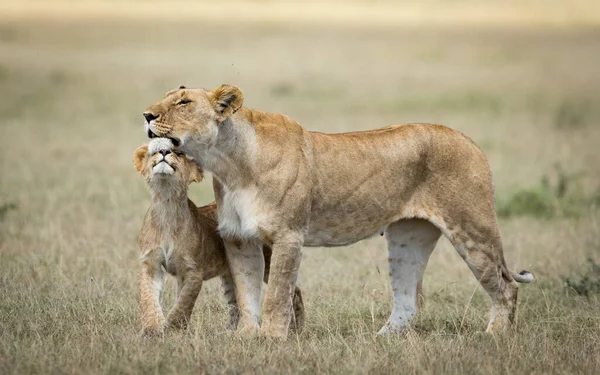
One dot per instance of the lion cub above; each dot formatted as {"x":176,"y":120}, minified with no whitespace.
{"x":182,"y":239}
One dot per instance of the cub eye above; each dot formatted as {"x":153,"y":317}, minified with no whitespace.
{"x":183,"y":101}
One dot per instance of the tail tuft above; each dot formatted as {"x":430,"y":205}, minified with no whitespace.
{"x":523,"y":277}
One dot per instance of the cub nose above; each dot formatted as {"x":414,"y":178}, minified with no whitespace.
{"x":165,"y":152}
{"x":150,"y":116}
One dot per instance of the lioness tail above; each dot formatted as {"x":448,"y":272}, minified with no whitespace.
{"x":523,"y":277}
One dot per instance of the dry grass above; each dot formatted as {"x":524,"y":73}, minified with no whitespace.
{"x":71,"y":203}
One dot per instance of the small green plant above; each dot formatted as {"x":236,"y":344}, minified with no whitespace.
{"x":587,"y":284}
{"x":283,"y":89}
{"x":537,"y":202}
{"x":5,"y":208}
{"x":572,"y":114}
{"x":562,"y":195}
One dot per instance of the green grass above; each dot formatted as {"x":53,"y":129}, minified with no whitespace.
{"x":587,"y":284}
{"x":563,"y":195}
{"x":71,"y":202}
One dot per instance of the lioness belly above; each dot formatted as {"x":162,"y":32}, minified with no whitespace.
{"x":349,"y":222}
{"x":340,"y":235}
{"x":362,"y":183}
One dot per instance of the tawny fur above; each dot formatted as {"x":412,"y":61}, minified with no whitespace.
{"x":182,"y":239}
{"x":279,"y":184}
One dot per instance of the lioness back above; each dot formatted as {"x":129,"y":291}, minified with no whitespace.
{"x":379,"y":176}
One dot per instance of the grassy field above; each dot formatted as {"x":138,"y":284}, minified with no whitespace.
{"x":74,"y":80}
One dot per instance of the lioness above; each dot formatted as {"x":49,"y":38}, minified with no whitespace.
{"x":182,"y":239}
{"x":279,"y":184}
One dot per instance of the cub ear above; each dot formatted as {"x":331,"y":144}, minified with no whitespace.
{"x":226,"y":100}
{"x":197,"y":173}
{"x":140,"y":157}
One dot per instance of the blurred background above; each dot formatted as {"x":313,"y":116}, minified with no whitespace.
{"x":521,"y":78}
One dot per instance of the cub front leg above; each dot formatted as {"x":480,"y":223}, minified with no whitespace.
{"x":247,"y":266}
{"x":180,"y":314}
{"x":280,"y":291}
{"x":150,"y":280}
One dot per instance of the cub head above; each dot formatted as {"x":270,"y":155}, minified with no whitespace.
{"x":190,"y":117}
{"x":158,"y":161}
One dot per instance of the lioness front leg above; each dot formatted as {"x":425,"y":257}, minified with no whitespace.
{"x":297,"y":321}
{"x":150,"y":280}
{"x":247,"y":266}
{"x":180,"y":314}
{"x":280,"y":291}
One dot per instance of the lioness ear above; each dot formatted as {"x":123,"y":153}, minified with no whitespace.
{"x":197,"y":173}
{"x":226,"y":100}
{"x":140,"y":156}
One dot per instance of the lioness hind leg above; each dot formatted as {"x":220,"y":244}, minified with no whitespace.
{"x":410,"y":243}
{"x":232,"y":307}
{"x":297,"y":323}
{"x":481,"y":248}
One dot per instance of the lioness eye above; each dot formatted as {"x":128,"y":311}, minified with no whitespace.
{"x":183,"y":101}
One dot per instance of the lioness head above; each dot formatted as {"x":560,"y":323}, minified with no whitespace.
{"x":190,"y":117}
{"x":158,"y":161}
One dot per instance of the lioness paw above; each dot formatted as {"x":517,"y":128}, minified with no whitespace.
{"x":248,"y":330}
{"x":391,"y":328}
{"x":152,"y":332}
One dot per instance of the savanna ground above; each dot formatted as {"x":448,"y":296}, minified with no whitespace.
{"x":520,"y":78}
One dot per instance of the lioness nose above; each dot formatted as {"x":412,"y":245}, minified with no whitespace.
{"x":150,"y":116}
{"x":165,"y":152}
